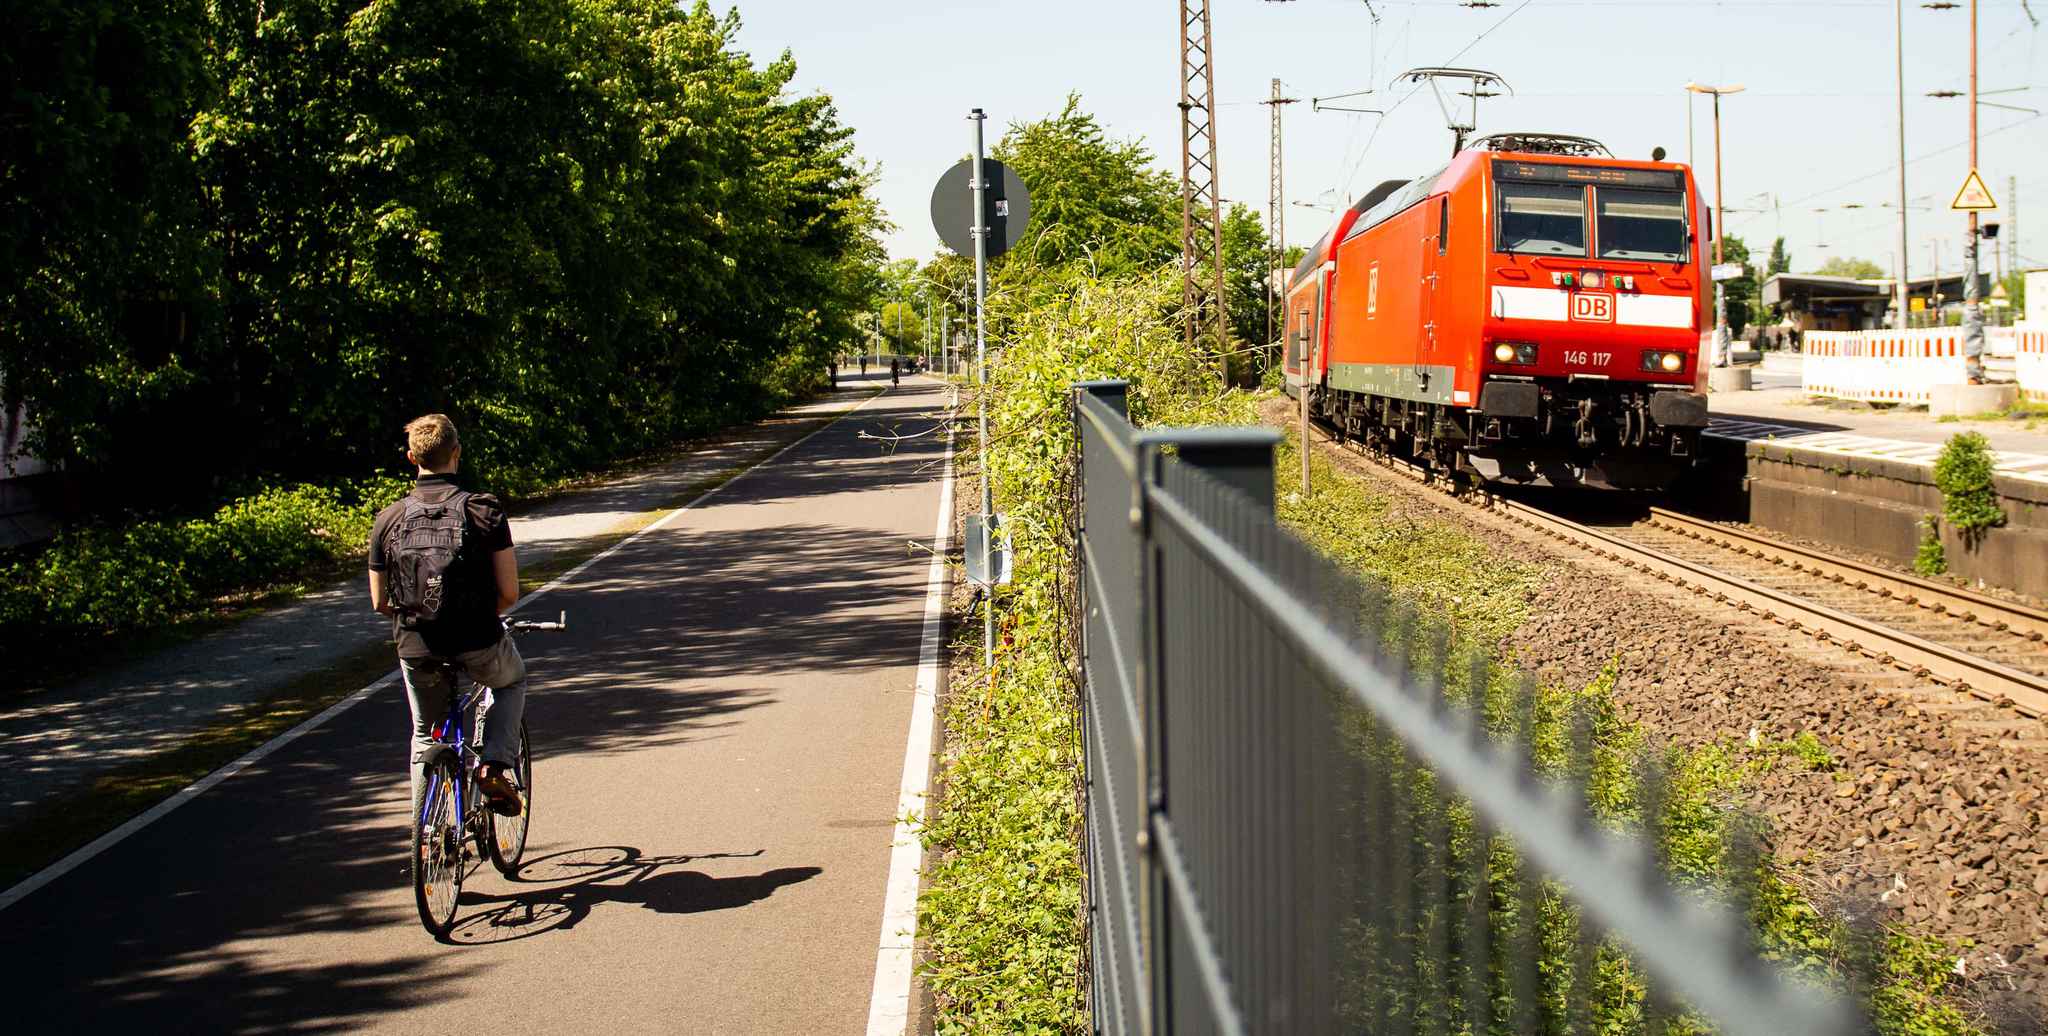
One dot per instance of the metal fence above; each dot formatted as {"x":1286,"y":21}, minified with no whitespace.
{"x":1308,"y":811}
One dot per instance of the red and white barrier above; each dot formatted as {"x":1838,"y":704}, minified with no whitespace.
{"x":2030,"y":361}
{"x":1883,"y":366}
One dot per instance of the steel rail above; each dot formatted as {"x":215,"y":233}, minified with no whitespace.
{"x":1951,"y":601}
{"x":1961,"y":671}
{"x":1539,"y":816}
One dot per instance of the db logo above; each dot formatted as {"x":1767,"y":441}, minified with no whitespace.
{"x":1593,"y":307}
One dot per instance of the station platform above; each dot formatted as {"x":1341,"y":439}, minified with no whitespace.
{"x":1777,"y":411}
{"x":1862,"y":478}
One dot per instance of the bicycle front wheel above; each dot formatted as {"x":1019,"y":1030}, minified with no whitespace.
{"x":437,"y":849}
{"x":508,"y":834}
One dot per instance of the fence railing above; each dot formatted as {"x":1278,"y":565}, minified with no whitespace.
{"x":1308,"y":810}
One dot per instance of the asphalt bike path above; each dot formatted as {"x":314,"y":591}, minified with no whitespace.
{"x":57,"y":741}
{"x":719,"y":740}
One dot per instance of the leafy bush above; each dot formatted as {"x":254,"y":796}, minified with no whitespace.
{"x":1963,"y":473}
{"x":107,"y":579}
{"x":1001,"y":906}
{"x":1930,"y":559}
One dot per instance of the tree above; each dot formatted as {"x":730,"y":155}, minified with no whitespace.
{"x":1844,"y":266}
{"x":1092,"y":198}
{"x":1741,"y":293}
{"x":1781,"y":260}
{"x":579,"y":226}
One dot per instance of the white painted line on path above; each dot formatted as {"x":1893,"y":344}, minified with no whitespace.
{"x":27,"y":886}
{"x":889,"y":1006}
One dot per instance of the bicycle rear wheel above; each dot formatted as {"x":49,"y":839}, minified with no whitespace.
{"x":437,"y":849}
{"x":508,"y":834}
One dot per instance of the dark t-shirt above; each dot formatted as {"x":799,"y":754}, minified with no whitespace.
{"x":470,"y":624}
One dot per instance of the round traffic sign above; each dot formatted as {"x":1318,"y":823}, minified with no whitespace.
{"x":1006,"y":203}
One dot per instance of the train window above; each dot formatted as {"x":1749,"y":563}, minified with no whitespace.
{"x":1443,"y":223}
{"x":1542,"y":218}
{"x":1636,"y":224}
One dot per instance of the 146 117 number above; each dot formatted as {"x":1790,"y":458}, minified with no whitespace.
{"x":1578,"y":359}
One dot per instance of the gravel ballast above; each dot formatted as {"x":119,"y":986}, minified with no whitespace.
{"x":1930,"y":824}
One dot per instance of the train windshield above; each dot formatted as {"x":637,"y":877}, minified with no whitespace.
{"x":1542,"y":218}
{"x":1637,"y":224}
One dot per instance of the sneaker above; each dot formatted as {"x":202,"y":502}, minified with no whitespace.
{"x":500,"y":793}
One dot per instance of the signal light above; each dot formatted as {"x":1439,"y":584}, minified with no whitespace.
{"x":1520,"y":353}
{"x":1659,"y":360}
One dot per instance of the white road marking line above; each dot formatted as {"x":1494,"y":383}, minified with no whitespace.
{"x":889,"y":1006}
{"x":28,"y":886}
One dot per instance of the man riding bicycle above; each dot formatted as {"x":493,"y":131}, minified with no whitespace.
{"x":442,"y":566}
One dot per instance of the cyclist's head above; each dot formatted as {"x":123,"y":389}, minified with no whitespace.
{"x":431,"y":444}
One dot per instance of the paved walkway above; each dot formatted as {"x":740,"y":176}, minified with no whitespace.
{"x":718,"y":744}
{"x":153,"y":704}
{"x":1778,"y":411}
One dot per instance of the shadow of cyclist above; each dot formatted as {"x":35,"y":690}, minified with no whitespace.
{"x":579,"y":880}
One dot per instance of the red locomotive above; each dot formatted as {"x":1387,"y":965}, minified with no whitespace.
{"x":1532,"y":313}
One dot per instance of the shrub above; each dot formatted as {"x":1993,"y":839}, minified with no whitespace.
{"x":108,"y":579}
{"x":1963,"y":473}
{"x":1930,"y":559}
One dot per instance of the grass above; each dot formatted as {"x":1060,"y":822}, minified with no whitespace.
{"x":1484,"y":595}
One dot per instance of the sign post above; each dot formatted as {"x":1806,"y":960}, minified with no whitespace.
{"x":1972,"y":197}
{"x":992,"y":219}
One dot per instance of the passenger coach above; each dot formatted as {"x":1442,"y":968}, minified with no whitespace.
{"x":1531,"y":313}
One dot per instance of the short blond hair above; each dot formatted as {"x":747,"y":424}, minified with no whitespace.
{"x":431,"y":440}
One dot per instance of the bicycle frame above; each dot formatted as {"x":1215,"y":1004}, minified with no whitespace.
{"x":453,"y":733}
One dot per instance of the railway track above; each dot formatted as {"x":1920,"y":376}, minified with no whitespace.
{"x":1991,"y":650}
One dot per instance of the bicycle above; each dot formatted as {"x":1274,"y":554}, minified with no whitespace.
{"x":451,"y":813}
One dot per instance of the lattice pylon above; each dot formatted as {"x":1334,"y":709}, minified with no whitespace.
{"x":1276,"y":221}
{"x":1200,"y":212}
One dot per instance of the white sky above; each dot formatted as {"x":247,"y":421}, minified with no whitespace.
{"x":1816,"y":128}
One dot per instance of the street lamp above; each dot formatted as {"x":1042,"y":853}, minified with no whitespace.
{"x":1720,"y":228}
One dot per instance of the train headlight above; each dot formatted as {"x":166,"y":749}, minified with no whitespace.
{"x":1514,"y":352}
{"x":1666,"y":362}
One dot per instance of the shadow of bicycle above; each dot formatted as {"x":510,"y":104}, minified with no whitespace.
{"x":579,"y":880}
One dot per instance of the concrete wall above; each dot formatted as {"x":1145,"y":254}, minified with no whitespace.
{"x":1876,"y":506}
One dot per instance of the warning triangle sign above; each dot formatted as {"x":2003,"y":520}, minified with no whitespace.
{"x":1973,"y":196}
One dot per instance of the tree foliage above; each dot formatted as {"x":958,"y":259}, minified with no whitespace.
{"x":1849,"y":266}
{"x":578,"y":226}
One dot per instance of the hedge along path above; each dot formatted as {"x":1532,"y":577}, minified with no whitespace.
{"x":85,"y":757}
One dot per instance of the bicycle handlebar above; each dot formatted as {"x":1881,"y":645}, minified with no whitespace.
{"x":536,"y":626}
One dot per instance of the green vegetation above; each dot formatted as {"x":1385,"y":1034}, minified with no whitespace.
{"x":1931,"y":559}
{"x":1969,"y":498}
{"x":1848,"y":266}
{"x":1092,"y":293}
{"x":112,"y":578}
{"x":1704,"y":837}
{"x":1002,"y":897}
{"x":266,"y":235}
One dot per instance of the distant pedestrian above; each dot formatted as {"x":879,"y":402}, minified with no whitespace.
{"x":863,"y":365}
{"x":832,"y":366}
{"x":895,"y":373}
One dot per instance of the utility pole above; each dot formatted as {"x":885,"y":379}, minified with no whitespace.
{"x":1201,"y":214}
{"x":1973,"y":310}
{"x":1276,"y":222}
{"x":2012,"y":223}
{"x":1720,"y":223}
{"x":1902,"y":293}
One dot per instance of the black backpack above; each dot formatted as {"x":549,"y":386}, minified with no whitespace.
{"x":427,"y":573}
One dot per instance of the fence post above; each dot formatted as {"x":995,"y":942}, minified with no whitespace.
{"x":1243,"y":459}
{"x":1114,"y":395}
